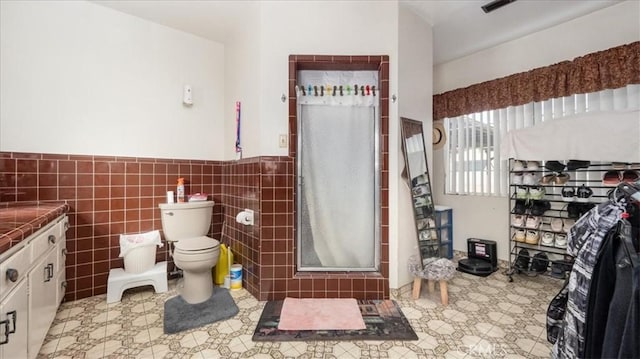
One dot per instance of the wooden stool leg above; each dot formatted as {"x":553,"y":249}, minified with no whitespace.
{"x":432,"y":286}
{"x":417,"y":282}
{"x":444,"y":294}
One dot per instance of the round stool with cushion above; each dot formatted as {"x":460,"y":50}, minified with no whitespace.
{"x":440,"y":269}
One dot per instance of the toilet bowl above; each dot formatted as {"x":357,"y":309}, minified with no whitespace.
{"x":185,"y":226}
{"x":196,"y":257}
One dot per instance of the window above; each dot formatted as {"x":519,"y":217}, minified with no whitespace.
{"x":472,"y":156}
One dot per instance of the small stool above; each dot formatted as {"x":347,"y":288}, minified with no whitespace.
{"x":444,"y":294}
{"x":119,"y":281}
{"x":440,"y":270}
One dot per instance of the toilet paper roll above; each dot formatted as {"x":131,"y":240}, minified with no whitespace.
{"x":169,"y":196}
{"x":244,"y":218}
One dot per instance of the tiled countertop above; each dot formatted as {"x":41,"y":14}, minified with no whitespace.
{"x":19,"y":220}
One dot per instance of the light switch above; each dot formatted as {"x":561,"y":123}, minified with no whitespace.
{"x":282,"y":141}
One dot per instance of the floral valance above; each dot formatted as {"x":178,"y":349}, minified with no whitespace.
{"x":609,"y":69}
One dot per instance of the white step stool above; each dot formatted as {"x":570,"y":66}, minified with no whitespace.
{"x":119,"y":281}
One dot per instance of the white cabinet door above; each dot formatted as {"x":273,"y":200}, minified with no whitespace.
{"x":13,"y":316}
{"x":42,"y":300}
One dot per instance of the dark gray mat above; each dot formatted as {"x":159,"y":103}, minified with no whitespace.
{"x":180,"y":315}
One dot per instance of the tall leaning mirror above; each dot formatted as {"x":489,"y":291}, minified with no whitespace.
{"x":415,"y":157}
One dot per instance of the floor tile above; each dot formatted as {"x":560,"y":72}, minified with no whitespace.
{"x":486,"y":317}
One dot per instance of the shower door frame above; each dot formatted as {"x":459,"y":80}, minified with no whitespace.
{"x":376,"y":196}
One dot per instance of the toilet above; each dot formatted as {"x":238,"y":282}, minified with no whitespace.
{"x":185,"y":226}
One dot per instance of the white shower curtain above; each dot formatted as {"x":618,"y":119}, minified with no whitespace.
{"x":338,"y":181}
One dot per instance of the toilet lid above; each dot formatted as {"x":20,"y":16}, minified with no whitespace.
{"x":196,"y":244}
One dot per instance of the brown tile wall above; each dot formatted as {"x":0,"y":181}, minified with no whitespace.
{"x":107,"y":196}
{"x":278,"y":277}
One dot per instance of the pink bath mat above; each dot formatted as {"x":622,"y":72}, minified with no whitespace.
{"x":320,"y":314}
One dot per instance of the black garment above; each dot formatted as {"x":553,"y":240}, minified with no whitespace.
{"x":620,"y":301}
{"x":630,"y":345}
{"x":601,"y":289}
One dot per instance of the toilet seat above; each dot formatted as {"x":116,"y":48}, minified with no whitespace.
{"x":196,"y":244}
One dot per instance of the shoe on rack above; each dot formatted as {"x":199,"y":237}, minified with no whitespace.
{"x":532,"y":237}
{"x":630,"y":176}
{"x":611,"y":178}
{"x":554,"y":166}
{"x":522,"y":192}
{"x":557,"y":270}
{"x":561,"y":241}
{"x":539,"y":207}
{"x":533,"y":165}
{"x":548,"y":179}
{"x":576,"y":164}
{"x":522,"y":261}
{"x":583,"y":194}
{"x":540,"y":262}
{"x":547,"y":239}
{"x":520,"y":207}
{"x":518,"y":166}
{"x":556,"y":224}
{"x":536,"y":193}
{"x":561,"y":178}
{"x":574,"y":210}
{"x":532,"y":222}
{"x":529,"y":179}
{"x":516,"y":178}
{"x":568,"y":194}
{"x":519,"y":236}
{"x":517,"y":220}
{"x":567,"y":223}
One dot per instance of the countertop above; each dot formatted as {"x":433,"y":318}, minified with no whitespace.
{"x":21,"y":219}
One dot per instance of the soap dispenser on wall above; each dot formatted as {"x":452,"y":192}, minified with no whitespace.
{"x":187,"y":98}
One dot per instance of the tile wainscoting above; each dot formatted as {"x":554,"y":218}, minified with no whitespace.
{"x":109,"y":196}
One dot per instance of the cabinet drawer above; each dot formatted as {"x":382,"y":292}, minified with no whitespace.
{"x":19,"y":262}
{"x":44,"y":241}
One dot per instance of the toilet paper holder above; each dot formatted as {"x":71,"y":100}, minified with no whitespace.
{"x":245,"y":217}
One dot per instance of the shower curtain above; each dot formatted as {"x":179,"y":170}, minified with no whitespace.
{"x":338,"y":182}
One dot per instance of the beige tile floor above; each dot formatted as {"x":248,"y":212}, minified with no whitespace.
{"x":486,"y":318}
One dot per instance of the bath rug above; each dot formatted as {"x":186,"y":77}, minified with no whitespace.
{"x":320,"y":314}
{"x":383,"y":320}
{"x":180,"y":315}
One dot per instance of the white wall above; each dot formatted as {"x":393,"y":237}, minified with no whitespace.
{"x":415,"y":58}
{"x":241,"y":83}
{"x":80,"y":78}
{"x":486,"y":217}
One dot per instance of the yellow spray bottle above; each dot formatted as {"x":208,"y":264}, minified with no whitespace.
{"x":224,"y":262}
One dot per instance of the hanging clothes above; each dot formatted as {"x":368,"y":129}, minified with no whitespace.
{"x":609,"y":300}
{"x":630,"y":345}
{"x":583,"y":242}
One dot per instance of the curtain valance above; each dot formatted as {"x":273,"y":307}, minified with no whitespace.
{"x":609,"y":69}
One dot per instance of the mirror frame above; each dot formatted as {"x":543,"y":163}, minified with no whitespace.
{"x":424,"y":214}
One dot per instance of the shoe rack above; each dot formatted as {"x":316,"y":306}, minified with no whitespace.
{"x":546,"y":199}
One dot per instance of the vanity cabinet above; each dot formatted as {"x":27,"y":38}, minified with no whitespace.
{"x":31,"y":287}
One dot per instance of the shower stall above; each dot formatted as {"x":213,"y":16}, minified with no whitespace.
{"x":338,"y":166}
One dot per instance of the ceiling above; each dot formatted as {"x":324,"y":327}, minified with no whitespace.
{"x":460,"y":27}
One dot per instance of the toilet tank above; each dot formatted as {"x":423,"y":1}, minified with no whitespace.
{"x":185,"y":220}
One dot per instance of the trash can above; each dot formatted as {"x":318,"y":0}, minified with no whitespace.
{"x":139,"y":251}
